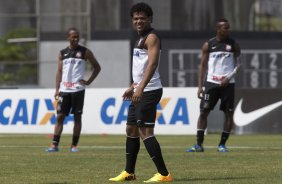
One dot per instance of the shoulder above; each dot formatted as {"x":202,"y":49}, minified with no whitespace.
{"x":152,"y":38}
{"x":153,"y":41}
{"x":64,"y":50}
{"x":212,"y":41}
{"x":205,"y":47}
{"x":82,"y":48}
{"x":154,"y":32}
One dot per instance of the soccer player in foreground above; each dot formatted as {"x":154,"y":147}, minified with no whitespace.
{"x":70,"y":86}
{"x":144,"y":93}
{"x":220,"y":62}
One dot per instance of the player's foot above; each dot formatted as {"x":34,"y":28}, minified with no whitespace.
{"x":123,"y":176}
{"x":53,"y":148}
{"x":74,"y":149}
{"x":196,"y":148}
{"x":159,"y":178}
{"x":222,"y":148}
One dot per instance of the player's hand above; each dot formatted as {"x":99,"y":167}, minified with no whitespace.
{"x":200,"y":93}
{"x":224,"y":82}
{"x":127,"y":95}
{"x":83,"y":82}
{"x":137,"y":96}
{"x":56,"y":96}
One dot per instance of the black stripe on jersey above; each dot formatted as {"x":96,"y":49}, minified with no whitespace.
{"x":140,"y":43}
{"x":227,"y":45}
{"x":79,"y":52}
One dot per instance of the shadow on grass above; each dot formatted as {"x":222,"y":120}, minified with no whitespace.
{"x":211,"y":179}
{"x":57,"y":183}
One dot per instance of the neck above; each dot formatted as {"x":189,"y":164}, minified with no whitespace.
{"x":72,"y":47}
{"x":221,"y":38}
{"x":144,"y":32}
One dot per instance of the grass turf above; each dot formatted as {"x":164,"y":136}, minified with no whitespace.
{"x":252,"y":159}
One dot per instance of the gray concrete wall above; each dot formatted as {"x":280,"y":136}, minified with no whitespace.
{"x":113,"y":56}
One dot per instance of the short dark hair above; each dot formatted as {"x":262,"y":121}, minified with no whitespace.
{"x":221,"y":20}
{"x":141,"y":7}
{"x":72,"y":29}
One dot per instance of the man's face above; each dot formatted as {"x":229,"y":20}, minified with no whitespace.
{"x":141,"y":21}
{"x":73,"y":38}
{"x":223,"y":29}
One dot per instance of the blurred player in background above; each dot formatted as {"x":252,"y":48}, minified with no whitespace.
{"x":145,"y":93}
{"x":221,"y":63}
{"x":70,"y":86}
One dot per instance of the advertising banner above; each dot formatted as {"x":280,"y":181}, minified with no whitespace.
{"x":258,"y":111}
{"x":33,"y":111}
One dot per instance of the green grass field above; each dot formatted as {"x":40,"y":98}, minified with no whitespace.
{"x":253,"y":159}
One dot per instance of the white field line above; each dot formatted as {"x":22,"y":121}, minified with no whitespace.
{"x":123,"y":147}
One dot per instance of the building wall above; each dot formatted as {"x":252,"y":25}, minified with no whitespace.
{"x":113,"y":56}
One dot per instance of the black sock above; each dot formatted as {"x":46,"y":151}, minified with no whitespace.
{"x":56,"y":140}
{"x":132,"y":149}
{"x":224,"y":137}
{"x":200,"y":136}
{"x":154,"y":150}
{"x":75,"y":140}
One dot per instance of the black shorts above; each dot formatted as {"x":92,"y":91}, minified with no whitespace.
{"x":71,"y":103}
{"x":144,"y":113}
{"x":213,"y":92}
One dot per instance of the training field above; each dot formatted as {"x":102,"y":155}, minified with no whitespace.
{"x":252,"y":159}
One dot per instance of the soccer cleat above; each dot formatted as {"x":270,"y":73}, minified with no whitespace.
{"x":124,"y":176}
{"x":53,"y":148}
{"x":195,"y":148}
{"x":74,"y":149}
{"x":222,"y":148}
{"x":159,"y":178}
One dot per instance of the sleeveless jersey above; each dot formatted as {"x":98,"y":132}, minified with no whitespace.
{"x":221,"y":60}
{"x":73,"y":69}
{"x":140,"y":62}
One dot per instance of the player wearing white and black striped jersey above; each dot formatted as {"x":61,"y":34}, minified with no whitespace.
{"x":70,"y":86}
{"x":218,"y":66}
{"x":144,"y":93}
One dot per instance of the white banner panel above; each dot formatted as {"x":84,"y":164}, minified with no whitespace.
{"x":33,"y":111}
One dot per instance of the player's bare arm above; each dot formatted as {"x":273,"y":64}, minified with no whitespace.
{"x":59,"y":75}
{"x":237,"y":56}
{"x":153,"y":45}
{"x":96,"y":67}
{"x":237,"y":53}
{"x":202,"y":69}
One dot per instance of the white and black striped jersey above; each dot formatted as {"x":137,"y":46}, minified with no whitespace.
{"x":73,"y":69}
{"x":140,"y":62}
{"x":221,"y":60}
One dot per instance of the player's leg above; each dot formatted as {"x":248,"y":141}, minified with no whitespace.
{"x":57,"y":134}
{"x":63,"y":109}
{"x":153,"y":148}
{"x":76,"y":132}
{"x":227,"y":106}
{"x":201,"y":127}
{"x":146,"y":115}
{"x":77,"y":110}
{"x":208,"y":102}
{"x":132,"y":147}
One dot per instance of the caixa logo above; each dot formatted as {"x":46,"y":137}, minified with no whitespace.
{"x":29,"y":112}
{"x":176,"y":112}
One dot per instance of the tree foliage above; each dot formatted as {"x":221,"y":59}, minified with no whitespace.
{"x":18,"y":64}
{"x":17,"y":51}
